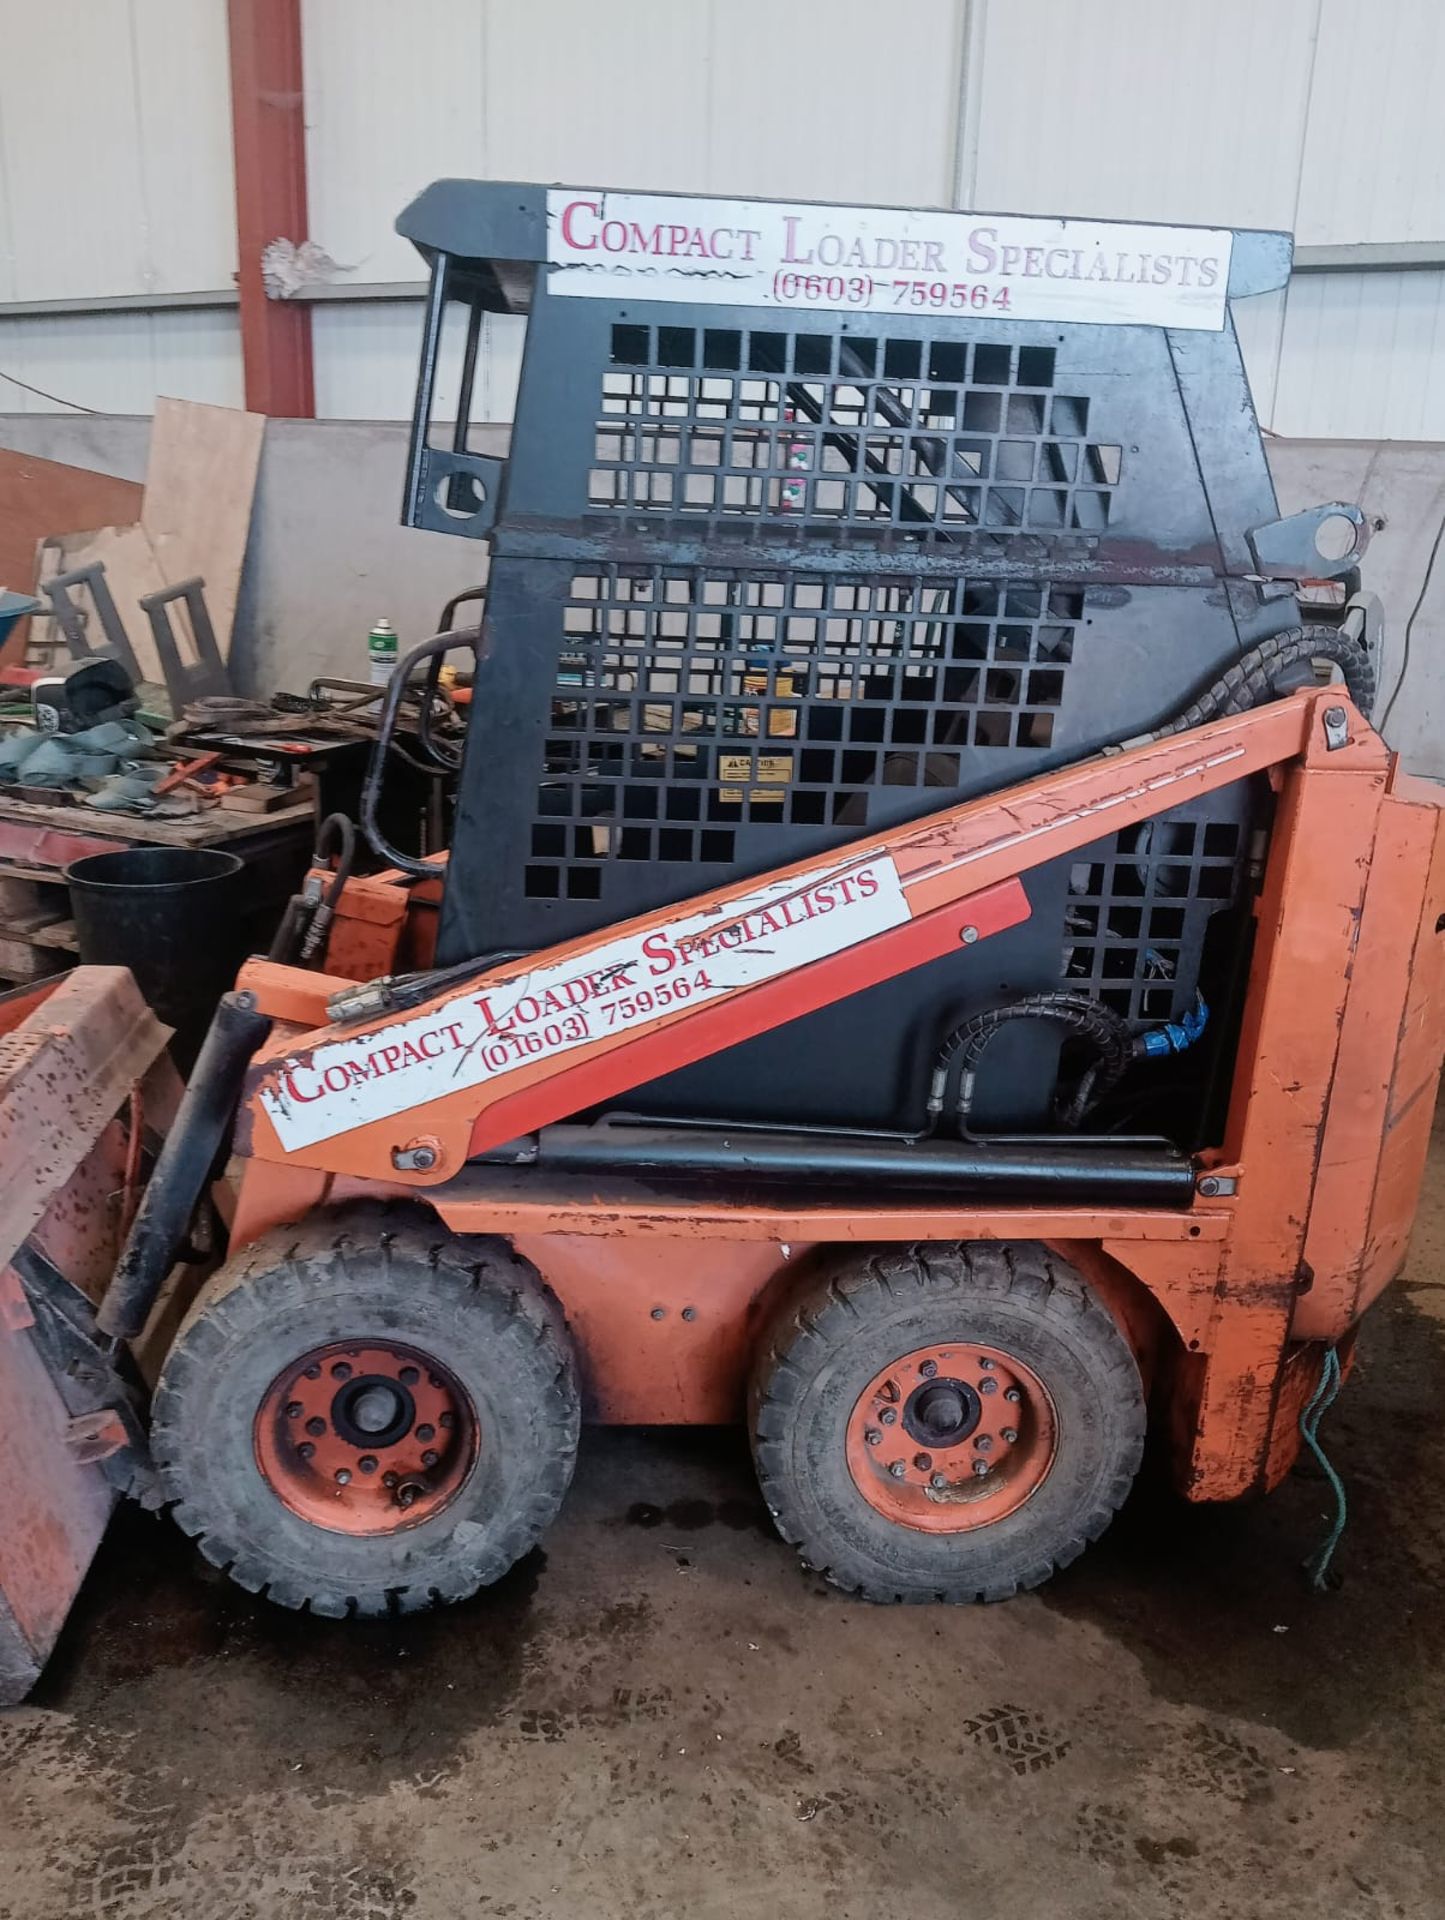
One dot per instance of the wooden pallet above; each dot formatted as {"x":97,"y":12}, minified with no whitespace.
{"x":37,"y":934}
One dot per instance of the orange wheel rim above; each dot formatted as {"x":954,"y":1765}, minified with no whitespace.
{"x":365,"y":1439}
{"x":948,"y":1438}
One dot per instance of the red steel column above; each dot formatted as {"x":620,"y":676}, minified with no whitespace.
{"x":268,"y":132}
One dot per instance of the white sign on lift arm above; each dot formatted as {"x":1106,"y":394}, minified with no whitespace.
{"x":623,"y":987}
{"x":765,"y":253}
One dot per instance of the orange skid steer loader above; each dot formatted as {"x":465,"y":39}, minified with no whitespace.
{"x":945,"y":977}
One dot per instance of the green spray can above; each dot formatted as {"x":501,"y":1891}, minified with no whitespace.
{"x":381,"y":651}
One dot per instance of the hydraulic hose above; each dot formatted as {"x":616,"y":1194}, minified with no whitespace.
{"x":1252,"y":681}
{"x":1107,"y":1032}
{"x":1114,"y":1042}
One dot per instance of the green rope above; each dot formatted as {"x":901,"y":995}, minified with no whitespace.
{"x":1317,"y":1566}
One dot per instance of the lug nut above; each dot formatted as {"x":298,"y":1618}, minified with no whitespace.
{"x":293,"y":1410}
{"x":988,"y":1386}
{"x":923,"y":1461}
{"x":341,"y":1370}
{"x":980,"y":1467}
{"x":433,"y":1380}
{"x":939,"y":1480}
{"x":983,"y":1444}
{"x":446,"y":1420}
{"x":659,"y":1313}
{"x":872,"y":1436}
{"x":306,"y":1449}
{"x":343,"y":1476}
{"x":689,"y":1313}
{"x":1009,"y":1435}
{"x":388,"y":1479}
{"x":429,"y":1459}
{"x":985,"y":1366}
{"x":928,"y":1369}
{"x":1013,"y":1396}
{"x":316,"y":1425}
{"x":428,"y":1432}
{"x":898,"y":1469}
{"x":888,"y":1416}
{"x":313,"y":1373}
{"x":408,"y":1376}
{"x":367,"y":1463}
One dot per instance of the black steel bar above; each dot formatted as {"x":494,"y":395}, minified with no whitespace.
{"x":462,"y":424}
{"x":425,"y":389}
{"x":396,"y":690}
{"x":197,"y":1135}
{"x":1042,"y":1172}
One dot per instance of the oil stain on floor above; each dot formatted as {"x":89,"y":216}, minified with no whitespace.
{"x":662,"y":1715}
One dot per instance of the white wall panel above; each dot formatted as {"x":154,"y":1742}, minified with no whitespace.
{"x":620,"y":94}
{"x":1374,"y":159}
{"x":115,"y":148}
{"x":366,"y":354}
{"x":1363,"y":357}
{"x":719,"y":96}
{"x":393,"y":101}
{"x":182,"y":66}
{"x":116,"y":173}
{"x":1144,"y":109}
{"x":120,"y":362}
{"x":835,"y":101}
{"x":1259,"y":326}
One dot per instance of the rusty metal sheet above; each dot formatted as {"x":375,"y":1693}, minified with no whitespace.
{"x":65,"y":1070}
{"x":64,"y":1073}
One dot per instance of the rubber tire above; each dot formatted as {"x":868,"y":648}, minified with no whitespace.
{"x":372,"y":1268}
{"x":821,"y":1351}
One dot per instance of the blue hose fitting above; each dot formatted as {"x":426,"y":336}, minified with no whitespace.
{"x":1174,"y":1036}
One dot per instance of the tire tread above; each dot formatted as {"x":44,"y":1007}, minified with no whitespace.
{"x":1023,"y":1271}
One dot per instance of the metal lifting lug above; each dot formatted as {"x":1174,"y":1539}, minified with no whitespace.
{"x":1321,"y":543}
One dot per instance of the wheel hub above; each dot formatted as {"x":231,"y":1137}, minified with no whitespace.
{"x":373,"y":1411}
{"x":942,"y":1413}
{"x":365,"y":1439}
{"x":947,"y":1438}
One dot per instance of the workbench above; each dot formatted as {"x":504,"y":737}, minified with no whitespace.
{"x":38,"y":842}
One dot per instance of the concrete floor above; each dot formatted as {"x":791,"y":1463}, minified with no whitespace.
{"x":663,"y":1716}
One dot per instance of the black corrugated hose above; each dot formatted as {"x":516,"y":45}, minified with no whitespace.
{"x":1254,"y":679}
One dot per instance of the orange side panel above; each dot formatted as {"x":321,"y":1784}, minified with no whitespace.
{"x":1382,"y":1102}
{"x":663,"y":1327}
{"x":1309,"y":919}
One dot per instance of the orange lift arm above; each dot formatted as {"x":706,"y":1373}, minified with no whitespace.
{"x":408,"y":1096}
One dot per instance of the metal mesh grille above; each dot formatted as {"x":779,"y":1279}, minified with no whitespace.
{"x":834,"y":427}
{"x":690,"y":701}
{"x":1135,"y":919}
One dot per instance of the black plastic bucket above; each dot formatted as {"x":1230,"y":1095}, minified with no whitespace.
{"x":173,"y":915}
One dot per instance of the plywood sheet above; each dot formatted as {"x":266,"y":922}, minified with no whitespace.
{"x":193,"y":519}
{"x":200,"y":482}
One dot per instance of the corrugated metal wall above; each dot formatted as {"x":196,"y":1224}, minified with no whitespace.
{"x":116,"y":182}
{"x":1314,"y":115}
{"x":115,"y":168}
